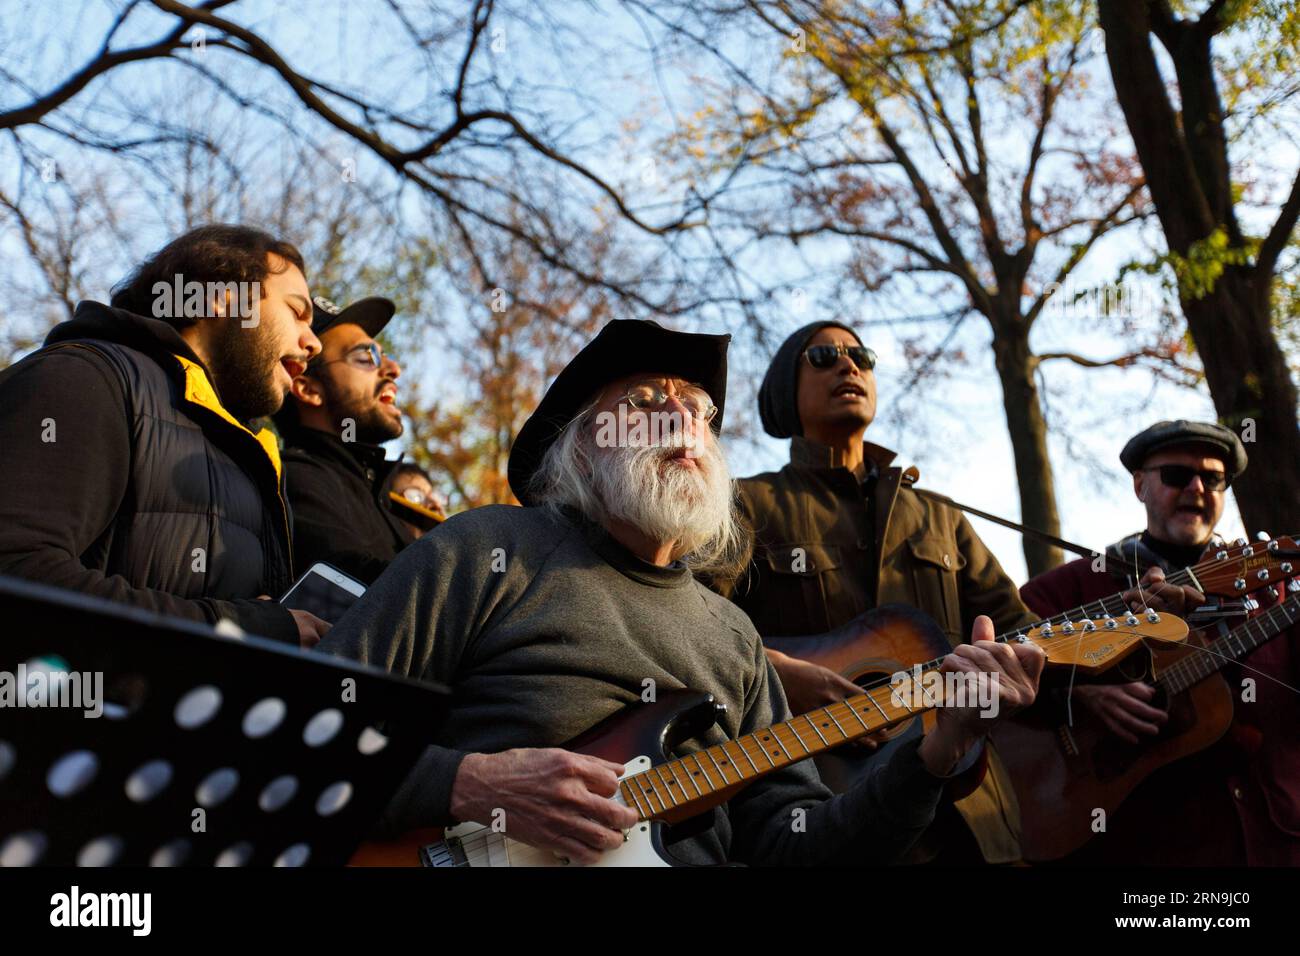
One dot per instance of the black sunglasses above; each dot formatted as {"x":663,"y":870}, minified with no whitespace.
{"x":825,"y":356}
{"x":1180,"y":476}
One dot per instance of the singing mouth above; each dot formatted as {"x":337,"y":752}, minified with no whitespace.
{"x":388,"y":394}
{"x":850,"y":388}
{"x":293,"y":366}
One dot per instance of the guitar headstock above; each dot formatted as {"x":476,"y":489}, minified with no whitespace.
{"x":1246,"y":566}
{"x":1096,"y":644}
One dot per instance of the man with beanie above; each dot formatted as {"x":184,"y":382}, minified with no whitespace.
{"x":838,"y":531}
{"x":340,"y":410}
{"x":547,"y":619}
{"x":1237,"y":802}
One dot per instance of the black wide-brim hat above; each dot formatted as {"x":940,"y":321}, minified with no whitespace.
{"x":371,"y":313}
{"x":623,"y":347}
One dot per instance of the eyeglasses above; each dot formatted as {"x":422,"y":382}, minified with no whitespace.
{"x":1180,"y":476}
{"x":696,"y":401}
{"x":825,"y":356}
{"x":432,"y":500}
{"x":369,"y":356}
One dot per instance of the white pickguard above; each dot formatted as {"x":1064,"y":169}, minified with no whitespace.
{"x":483,"y":846}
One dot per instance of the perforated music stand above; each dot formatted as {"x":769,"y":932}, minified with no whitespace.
{"x":285,"y":764}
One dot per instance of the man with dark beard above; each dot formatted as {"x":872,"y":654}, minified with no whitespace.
{"x":340,"y":409}
{"x":547,"y":619}
{"x":129,"y":467}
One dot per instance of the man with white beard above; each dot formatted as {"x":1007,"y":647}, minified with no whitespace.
{"x":547,"y":619}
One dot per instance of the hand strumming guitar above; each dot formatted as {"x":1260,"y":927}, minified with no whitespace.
{"x":552,"y":799}
{"x":1125,"y":709}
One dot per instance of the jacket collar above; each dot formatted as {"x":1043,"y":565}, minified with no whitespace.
{"x":353,"y":455}
{"x":810,"y":454}
{"x":95,"y":320}
{"x":199,"y":391}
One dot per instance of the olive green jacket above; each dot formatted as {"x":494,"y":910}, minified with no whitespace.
{"x":822,"y":556}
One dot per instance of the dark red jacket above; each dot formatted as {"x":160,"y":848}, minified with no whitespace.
{"x":1255,"y":768}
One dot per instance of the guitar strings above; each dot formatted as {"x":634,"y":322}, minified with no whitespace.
{"x":478,"y":846}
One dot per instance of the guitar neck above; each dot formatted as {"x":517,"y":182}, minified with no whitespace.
{"x":674,"y":785}
{"x":1240,"y":641}
{"x":677,"y":787}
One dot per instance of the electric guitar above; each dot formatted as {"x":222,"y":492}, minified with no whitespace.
{"x":665,"y":789}
{"x":1063,"y":772}
{"x":870,"y":647}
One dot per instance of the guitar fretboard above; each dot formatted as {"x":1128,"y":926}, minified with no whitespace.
{"x":1240,"y":641}
{"x":733,"y":763}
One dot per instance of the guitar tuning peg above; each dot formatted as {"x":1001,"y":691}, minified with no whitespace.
{"x":1250,"y":605}
{"x":1262,"y":536}
{"x":1272,"y":593}
{"x":1293,"y":586}
{"x":1240,"y":542}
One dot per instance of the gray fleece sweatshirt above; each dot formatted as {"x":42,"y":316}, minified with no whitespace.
{"x":543,"y":625}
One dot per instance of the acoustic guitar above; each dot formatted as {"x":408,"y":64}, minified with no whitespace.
{"x":666,"y":787}
{"x":869,"y":647}
{"x":1063,"y":771}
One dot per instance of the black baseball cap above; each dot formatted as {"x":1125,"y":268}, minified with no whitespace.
{"x":371,"y":313}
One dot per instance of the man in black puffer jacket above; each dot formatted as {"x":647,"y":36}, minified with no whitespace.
{"x":128,"y":466}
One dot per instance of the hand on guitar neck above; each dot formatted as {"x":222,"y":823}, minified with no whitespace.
{"x":1155,"y":592}
{"x":1015,"y":669}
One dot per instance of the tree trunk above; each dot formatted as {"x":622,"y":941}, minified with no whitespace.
{"x":1253,"y":394}
{"x":1245,"y":368}
{"x":1028,"y":430}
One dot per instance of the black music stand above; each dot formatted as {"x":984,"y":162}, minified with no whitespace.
{"x":288,"y":767}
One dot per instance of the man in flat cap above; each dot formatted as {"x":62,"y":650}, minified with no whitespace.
{"x":341,"y":408}
{"x":1239,"y":801}
{"x":838,"y":532}
{"x":547,"y":619}
{"x":1181,"y":473}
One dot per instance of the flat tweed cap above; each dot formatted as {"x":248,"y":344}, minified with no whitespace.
{"x":1182,"y":432}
